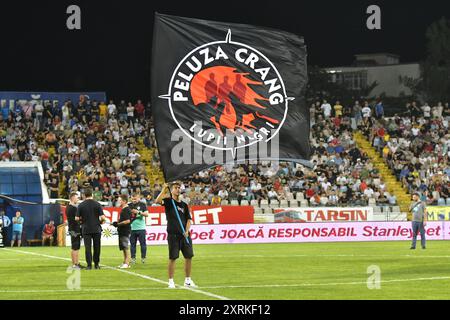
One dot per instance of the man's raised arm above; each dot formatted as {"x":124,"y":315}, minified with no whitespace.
{"x":163,"y":194}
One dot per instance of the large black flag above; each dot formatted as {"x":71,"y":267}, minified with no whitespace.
{"x":225,"y":92}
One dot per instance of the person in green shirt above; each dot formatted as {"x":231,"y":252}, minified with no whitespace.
{"x":98,"y":195}
{"x":138,"y":213}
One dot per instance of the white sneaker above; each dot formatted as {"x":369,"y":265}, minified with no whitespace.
{"x":190,"y":284}
{"x":124,"y":266}
{"x":171,"y":285}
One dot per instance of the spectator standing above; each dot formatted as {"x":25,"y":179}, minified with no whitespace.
{"x":39,"y":112}
{"x":338,"y":109}
{"x":139,"y":109}
{"x":379,"y":110}
{"x":122,"y":110}
{"x":326,"y":109}
{"x":426,"y":111}
{"x":65,"y":110}
{"x":366,"y":112}
{"x":130,"y":113}
{"x":18,"y":222}
{"x":103,"y":111}
{"x":112,"y":110}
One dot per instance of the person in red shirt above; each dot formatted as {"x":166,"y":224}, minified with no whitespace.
{"x":363,"y":186}
{"x":139,"y":108}
{"x":310,"y":193}
{"x":277,"y":185}
{"x":47,"y":233}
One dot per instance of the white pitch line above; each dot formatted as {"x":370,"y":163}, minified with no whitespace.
{"x":294,"y":255}
{"x":82,"y":290}
{"x":209,"y":294}
{"x":323,"y":284}
{"x":314,"y":256}
{"x":17,"y":259}
{"x":229,"y":287}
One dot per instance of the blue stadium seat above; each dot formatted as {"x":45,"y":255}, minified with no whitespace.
{"x":20,"y":188}
{"x":5,"y":178}
{"x":34,"y":188}
{"x":6,"y":189}
{"x":33,"y":178}
{"x":19,"y":178}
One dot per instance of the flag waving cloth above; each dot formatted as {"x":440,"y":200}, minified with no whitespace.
{"x":224,"y":92}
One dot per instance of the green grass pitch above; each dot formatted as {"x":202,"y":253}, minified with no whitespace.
{"x":304,"y":271}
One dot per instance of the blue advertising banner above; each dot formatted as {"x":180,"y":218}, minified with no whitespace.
{"x":9,"y":99}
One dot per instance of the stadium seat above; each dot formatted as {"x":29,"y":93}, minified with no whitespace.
{"x":224,"y":202}
{"x":299,"y":196}
{"x":294,"y":203}
{"x":289,"y":196}
{"x":284,"y":204}
{"x":234,"y":203}
{"x":441,"y":202}
{"x":254,"y":203}
{"x":244,"y":203}
{"x":448,"y":201}
{"x":396,"y":209}
{"x":372,"y":202}
{"x":377,"y":210}
{"x":304,"y":203}
{"x":267,"y":210}
{"x":264,"y":203}
{"x":274,"y":204}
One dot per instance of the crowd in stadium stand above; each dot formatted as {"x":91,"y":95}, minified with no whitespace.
{"x":342,"y":176}
{"x":416,"y":146}
{"x":83,"y":143}
{"x":94,"y":143}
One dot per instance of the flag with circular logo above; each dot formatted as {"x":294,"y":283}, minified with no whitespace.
{"x":224,"y":92}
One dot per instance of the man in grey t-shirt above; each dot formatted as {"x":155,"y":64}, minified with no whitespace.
{"x":419,"y":221}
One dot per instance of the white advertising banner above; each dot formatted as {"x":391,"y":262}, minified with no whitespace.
{"x":291,"y":232}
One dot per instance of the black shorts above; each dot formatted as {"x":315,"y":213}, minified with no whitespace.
{"x":75,"y":241}
{"x":124,"y":242}
{"x":177,"y":243}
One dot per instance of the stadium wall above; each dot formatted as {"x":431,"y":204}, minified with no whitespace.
{"x":35,"y":216}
